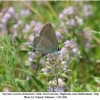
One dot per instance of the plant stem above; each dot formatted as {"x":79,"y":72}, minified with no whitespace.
{"x":56,"y":75}
{"x":51,"y":8}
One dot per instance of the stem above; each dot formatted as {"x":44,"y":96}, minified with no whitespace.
{"x":56,"y":75}
{"x":51,"y":8}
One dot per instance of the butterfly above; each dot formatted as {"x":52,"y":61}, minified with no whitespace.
{"x":47,"y":41}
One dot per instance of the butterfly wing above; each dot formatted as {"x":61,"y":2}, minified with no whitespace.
{"x":42,"y":45}
{"x":48,"y":32}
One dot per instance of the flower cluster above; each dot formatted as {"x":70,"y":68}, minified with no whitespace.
{"x":59,"y":63}
{"x":12,"y":22}
{"x":87,"y":9}
{"x":7,"y":16}
{"x":53,"y":87}
{"x":71,"y":20}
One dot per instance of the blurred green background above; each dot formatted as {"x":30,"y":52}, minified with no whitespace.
{"x":85,"y":74}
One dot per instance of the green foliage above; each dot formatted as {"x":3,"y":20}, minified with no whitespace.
{"x":7,"y":56}
{"x":7,"y":51}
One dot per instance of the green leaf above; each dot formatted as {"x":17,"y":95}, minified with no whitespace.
{"x":26,"y":85}
{"x":38,"y":81}
{"x":96,"y":79}
{"x":96,"y":33}
{"x":61,"y":45}
{"x":1,"y":79}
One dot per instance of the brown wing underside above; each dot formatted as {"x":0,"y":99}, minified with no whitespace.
{"x":48,"y":32}
{"x":42,"y":45}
